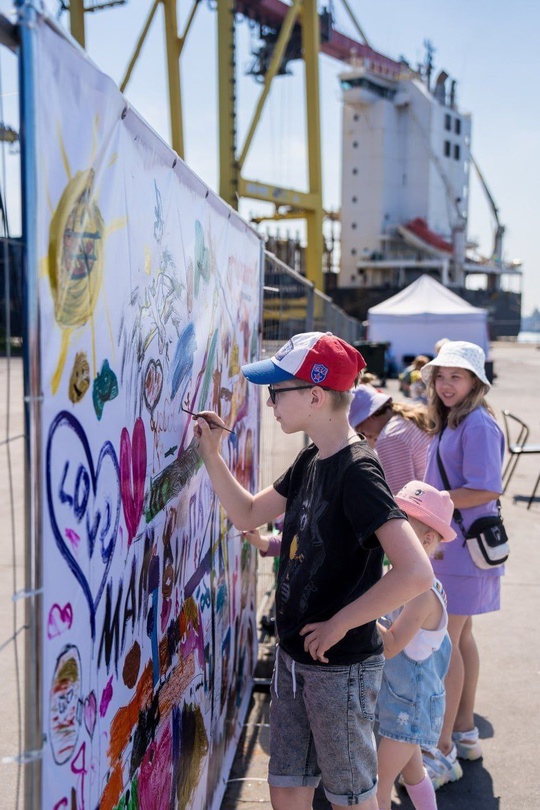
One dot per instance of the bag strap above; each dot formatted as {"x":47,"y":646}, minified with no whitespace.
{"x":457,"y":514}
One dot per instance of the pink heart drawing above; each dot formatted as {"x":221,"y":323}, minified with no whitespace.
{"x":60,"y":620}
{"x":132,"y":475}
{"x":90,"y":713}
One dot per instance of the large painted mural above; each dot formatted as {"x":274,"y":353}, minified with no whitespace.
{"x":149,"y":290}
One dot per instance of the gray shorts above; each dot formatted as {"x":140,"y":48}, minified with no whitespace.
{"x":321,"y":724}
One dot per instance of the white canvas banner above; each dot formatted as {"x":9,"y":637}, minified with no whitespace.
{"x":149,"y":300}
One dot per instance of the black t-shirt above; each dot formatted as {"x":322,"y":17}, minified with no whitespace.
{"x":330,"y":555}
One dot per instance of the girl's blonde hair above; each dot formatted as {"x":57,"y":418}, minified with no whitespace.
{"x":440,"y":416}
{"x":415,"y":413}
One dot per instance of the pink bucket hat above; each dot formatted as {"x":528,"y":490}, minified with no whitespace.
{"x":319,"y":358}
{"x":429,"y":505}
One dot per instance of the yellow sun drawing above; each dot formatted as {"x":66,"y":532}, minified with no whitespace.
{"x":75,"y":260}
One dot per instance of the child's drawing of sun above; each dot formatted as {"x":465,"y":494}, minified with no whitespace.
{"x":75,"y":259}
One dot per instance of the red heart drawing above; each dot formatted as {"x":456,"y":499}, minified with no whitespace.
{"x":60,"y":620}
{"x":132,"y":475}
{"x":153,"y":384}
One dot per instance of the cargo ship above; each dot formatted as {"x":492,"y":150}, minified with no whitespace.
{"x":406,"y":170}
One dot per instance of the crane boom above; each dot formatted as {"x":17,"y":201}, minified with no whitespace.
{"x":500,"y":229}
{"x":337,"y":45}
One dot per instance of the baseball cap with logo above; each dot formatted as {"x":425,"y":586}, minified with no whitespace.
{"x":429,"y":505}
{"x":319,"y":358}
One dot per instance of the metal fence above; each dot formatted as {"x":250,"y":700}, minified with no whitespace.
{"x":13,"y":619}
{"x":291,"y":304}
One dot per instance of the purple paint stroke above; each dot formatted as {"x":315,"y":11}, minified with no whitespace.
{"x":194,"y":642}
{"x":73,"y":537}
{"x":106,"y":697}
{"x":204,"y":568}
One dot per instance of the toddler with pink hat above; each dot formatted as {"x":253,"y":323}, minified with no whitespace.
{"x":417,"y":653}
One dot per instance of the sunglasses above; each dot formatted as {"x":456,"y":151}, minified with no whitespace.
{"x":275,"y":391}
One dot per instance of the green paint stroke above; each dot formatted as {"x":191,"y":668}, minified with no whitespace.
{"x":104,"y":389}
{"x":131,"y":799}
{"x":168,"y":483}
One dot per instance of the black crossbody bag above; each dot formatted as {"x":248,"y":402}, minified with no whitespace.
{"x":486,"y":538}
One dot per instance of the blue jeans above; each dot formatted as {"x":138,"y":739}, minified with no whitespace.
{"x":321,"y":723}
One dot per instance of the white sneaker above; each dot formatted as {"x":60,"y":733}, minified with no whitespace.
{"x":441,"y":768}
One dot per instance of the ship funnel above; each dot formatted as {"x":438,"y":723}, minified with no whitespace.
{"x":440,"y":89}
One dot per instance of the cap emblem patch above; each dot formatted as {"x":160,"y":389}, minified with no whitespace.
{"x":319,"y":373}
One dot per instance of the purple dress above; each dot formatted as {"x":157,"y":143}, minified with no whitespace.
{"x":472,"y":456}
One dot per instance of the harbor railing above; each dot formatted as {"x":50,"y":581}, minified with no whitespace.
{"x":291,"y":304}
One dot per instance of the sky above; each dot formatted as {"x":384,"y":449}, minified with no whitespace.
{"x":489,"y":46}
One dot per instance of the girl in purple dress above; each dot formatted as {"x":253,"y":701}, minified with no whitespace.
{"x":471,"y":448}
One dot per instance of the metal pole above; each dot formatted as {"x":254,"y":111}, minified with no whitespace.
{"x":76,"y":21}
{"x":32,"y":398}
{"x":228,"y":167}
{"x":173,"y":71}
{"x":139,"y":45}
{"x":277,"y":57}
{"x":310,"y":44}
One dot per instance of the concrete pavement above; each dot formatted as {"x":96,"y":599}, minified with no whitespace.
{"x":508,"y":700}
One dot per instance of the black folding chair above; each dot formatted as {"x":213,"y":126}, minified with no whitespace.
{"x":516,"y":448}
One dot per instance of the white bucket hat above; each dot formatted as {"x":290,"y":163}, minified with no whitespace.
{"x":459,"y":354}
{"x":366,"y":401}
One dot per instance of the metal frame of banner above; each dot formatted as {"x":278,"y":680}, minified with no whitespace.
{"x":28,"y":12}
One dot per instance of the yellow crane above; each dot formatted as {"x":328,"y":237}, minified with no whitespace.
{"x":296,"y":31}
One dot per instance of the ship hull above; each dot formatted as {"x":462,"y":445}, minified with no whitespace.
{"x":504,"y":308}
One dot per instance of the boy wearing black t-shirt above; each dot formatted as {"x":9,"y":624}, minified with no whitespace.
{"x":340,"y":519}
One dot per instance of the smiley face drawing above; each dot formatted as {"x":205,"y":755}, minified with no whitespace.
{"x":65,"y":704}
{"x":79,"y":381}
{"x":75,"y":262}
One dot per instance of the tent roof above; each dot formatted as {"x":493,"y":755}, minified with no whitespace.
{"x":425,"y":295}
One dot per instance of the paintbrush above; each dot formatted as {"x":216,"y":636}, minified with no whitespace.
{"x":210,"y":422}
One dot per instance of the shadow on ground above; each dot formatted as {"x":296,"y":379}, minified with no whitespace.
{"x":473,"y":790}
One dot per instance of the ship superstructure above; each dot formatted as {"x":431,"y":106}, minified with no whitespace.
{"x":406,"y":165}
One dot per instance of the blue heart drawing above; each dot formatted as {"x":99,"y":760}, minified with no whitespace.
{"x":80,"y":505}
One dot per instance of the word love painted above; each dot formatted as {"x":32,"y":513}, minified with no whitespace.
{"x":84,"y":500}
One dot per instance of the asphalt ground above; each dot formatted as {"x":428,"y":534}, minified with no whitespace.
{"x":508,"y":698}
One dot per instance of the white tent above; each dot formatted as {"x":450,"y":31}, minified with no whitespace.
{"x":425,"y":311}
